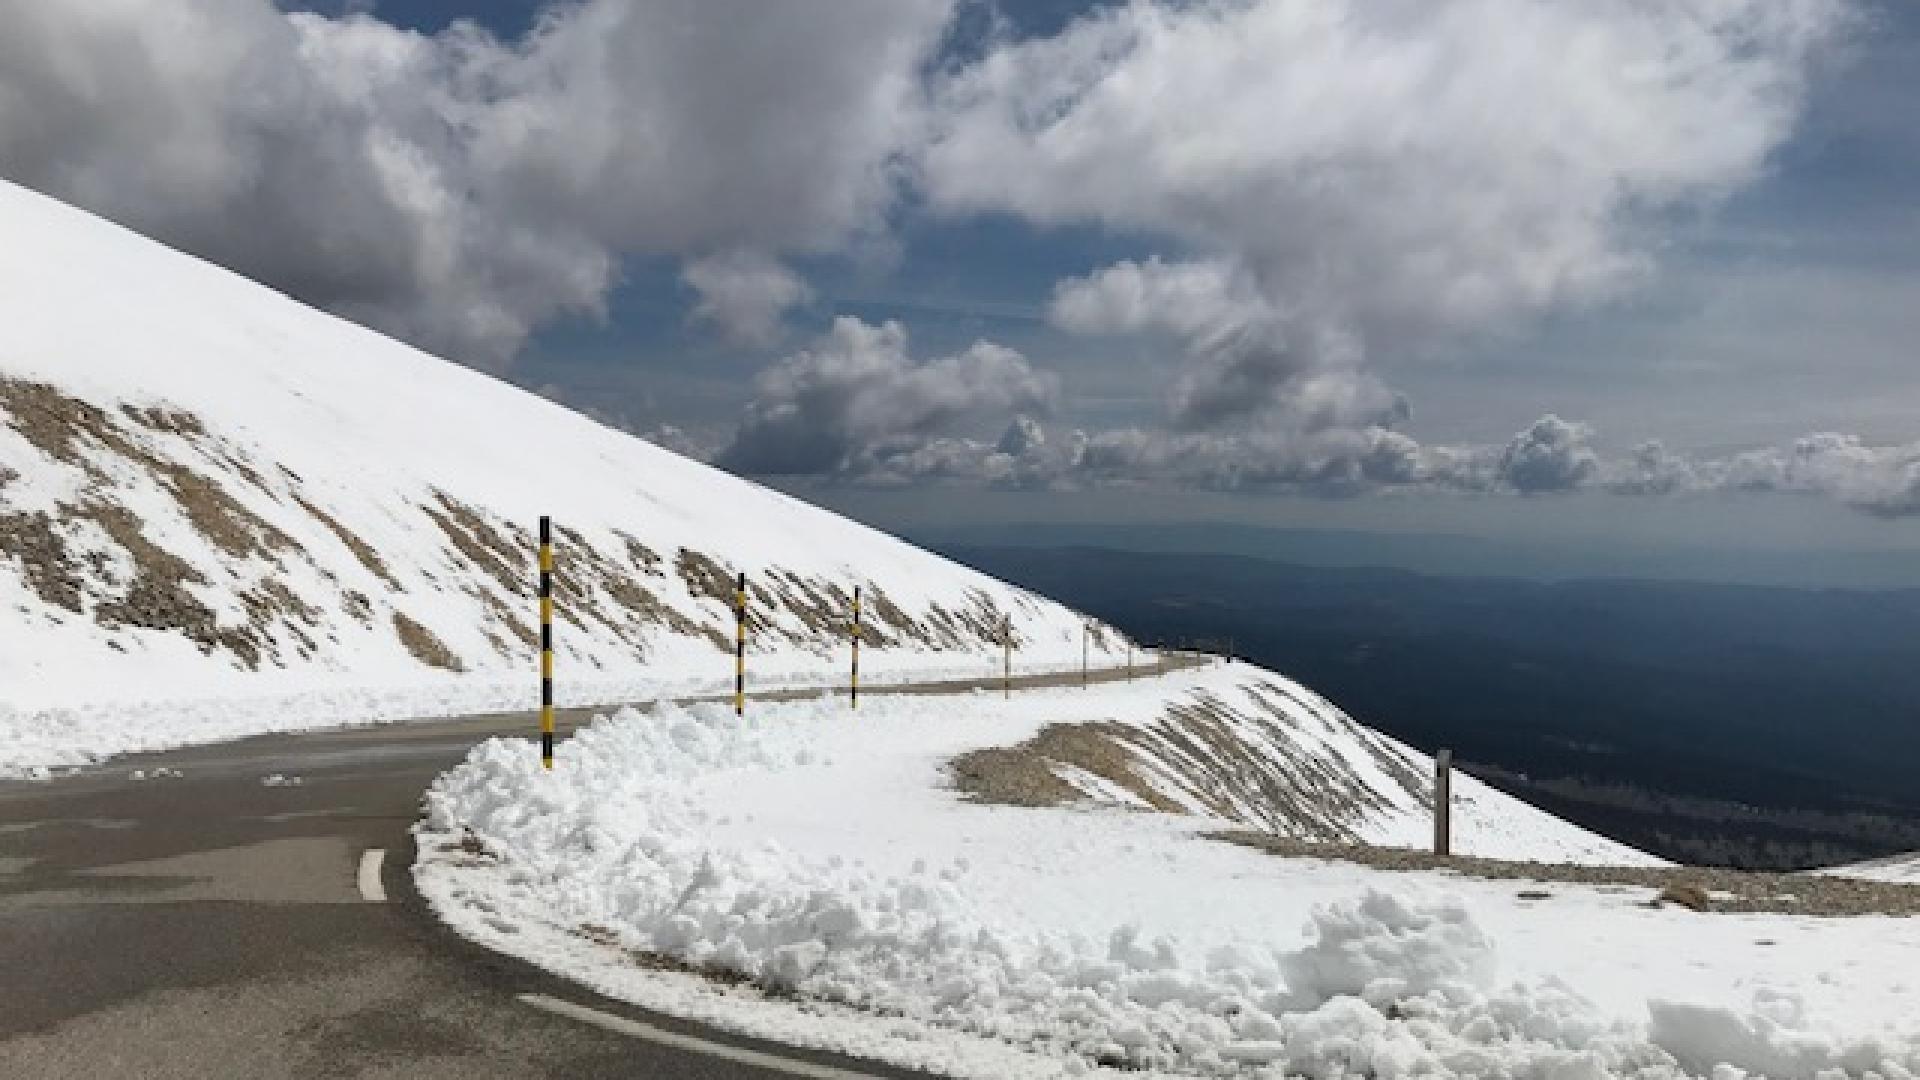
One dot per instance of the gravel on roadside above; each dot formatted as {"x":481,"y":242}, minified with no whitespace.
{"x":1729,"y":890}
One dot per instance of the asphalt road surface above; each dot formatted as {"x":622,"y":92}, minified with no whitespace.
{"x":206,"y":925}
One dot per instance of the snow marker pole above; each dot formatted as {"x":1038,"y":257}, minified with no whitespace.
{"x":1443,"y":803}
{"x":1129,"y":659}
{"x":740,"y":645}
{"x":1086,"y":635}
{"x":546,"y":641}
{"x":853,"y":673}
{"x":1006,"y":657}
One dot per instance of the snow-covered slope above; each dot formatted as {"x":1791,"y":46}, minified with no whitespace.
{"x":1896,"y":868}
{"x":1239,"y":747}
{"x":828,"y":861}
{"x":222,"y":511}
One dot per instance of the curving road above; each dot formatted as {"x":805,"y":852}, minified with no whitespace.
{"x":208,"y":925}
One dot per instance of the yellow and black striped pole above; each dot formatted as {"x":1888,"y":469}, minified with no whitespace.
{"x":853,"y":674}
{"x":740,"y":645}
{"x":1006,"y":657}
{"x":546,"y":641}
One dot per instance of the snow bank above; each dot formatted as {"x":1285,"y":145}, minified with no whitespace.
{"x":813,"y":853}
{"x":39,"y":743}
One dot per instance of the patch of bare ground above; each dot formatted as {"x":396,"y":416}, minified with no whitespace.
{"x":1717,"y":888}
{"x":519,"y":629}
{"x":504,"y":558}
{"x":217,"y":515}
{"x":271,"y":603}
{"x":1236,"y":765}
{"x":582,"y":570}
{"x":1200,"y":753}
{"x":1413,"y":779}
{"x":362,"y":551}
{"x":1320,"y":796}
{"x":357,"y":604}
{"x":161,"y":418}
{"x":59,"y":425}
{"x":53,"y":422}
{"x":705,"y":578}
{"x":644,"y":558}
{"x":983,"y":618}
{"x":823,"y":609}
{"x":49,"y":569}
{"x":1026,"y":775}
{"x":157,"y":597}
{"x":898,"y":625}
{"x":424,"y":646}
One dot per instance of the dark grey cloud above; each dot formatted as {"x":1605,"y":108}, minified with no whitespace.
{"x":1549,"y":457}
{"x":857,"y":402}
{"x":455,"y":189}
{"x":1245,"y":362}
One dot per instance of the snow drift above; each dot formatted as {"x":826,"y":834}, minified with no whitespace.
{"x":223,"y":511}
{"x":825,"y":859}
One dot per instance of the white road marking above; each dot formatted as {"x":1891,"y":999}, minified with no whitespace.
{"x":370,"y":887}
{"x":635,"y":1029}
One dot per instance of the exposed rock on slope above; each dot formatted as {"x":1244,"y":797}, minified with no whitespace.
{"x":1264,"y":753}
{"x":209,"y":492}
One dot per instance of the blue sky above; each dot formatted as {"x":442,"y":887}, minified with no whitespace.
{"x":1387,"y":267}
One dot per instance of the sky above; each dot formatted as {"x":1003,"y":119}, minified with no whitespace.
{"x":1563,"y":273}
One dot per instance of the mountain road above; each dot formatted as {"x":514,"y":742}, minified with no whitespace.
{"x":207,"y":920}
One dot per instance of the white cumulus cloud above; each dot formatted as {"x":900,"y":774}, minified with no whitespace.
{"x":1340,"y":177}
{"x":744,"y":294}
{"x":858,"y":403}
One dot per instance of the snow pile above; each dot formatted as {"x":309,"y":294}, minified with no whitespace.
{"x":1773,"y":1040}
{"x":1415,"y":949}
{"x":815,"y":854}
{"x":223,"y":508}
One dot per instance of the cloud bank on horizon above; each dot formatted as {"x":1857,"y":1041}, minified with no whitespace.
{"x":1318,"y":184}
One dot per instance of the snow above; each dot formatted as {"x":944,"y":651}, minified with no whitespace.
{"x":821,"y":854}
{"x":316,"y":485}
{"x":1896,"y":868}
